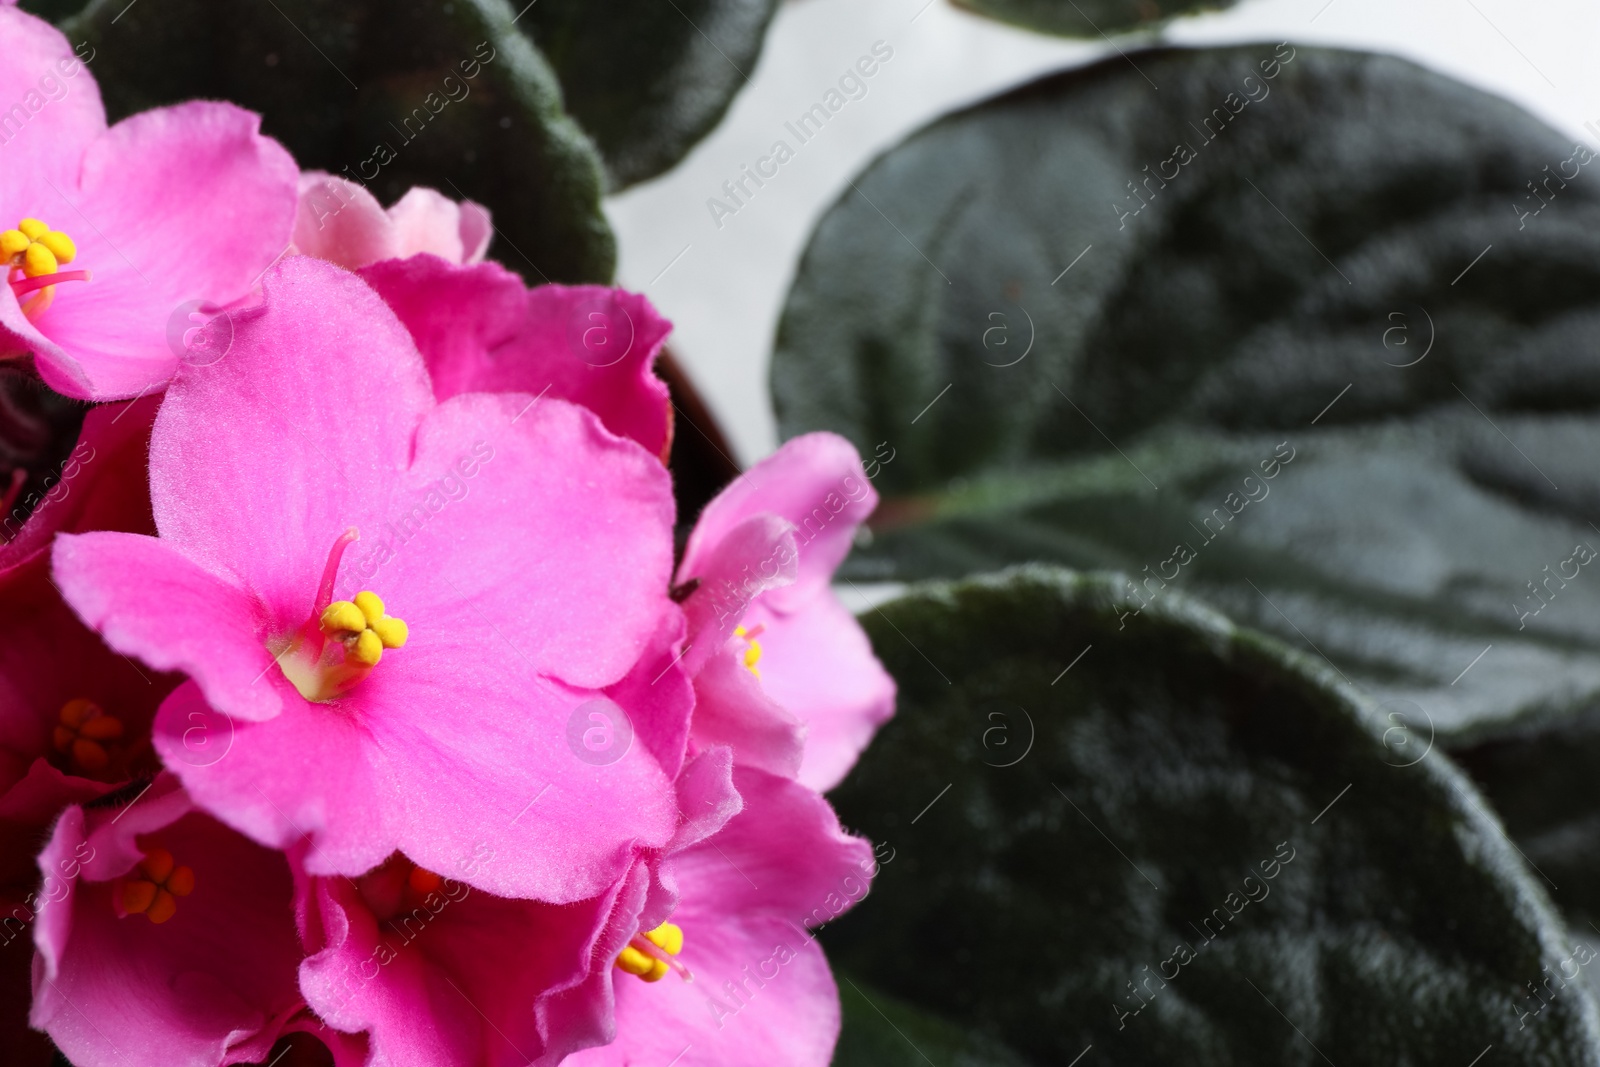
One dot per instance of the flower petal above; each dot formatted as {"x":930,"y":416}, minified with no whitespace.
{"x":754,"y":556}
{"x":179,"y":204}
{"x":52,"y":113}
{"x":301,"y":430}
{"x":816,"y":482}
{"x":149,"y":600}
{"x":211,"y":981}
{"x":732,"y":708}
{"x":341,"y":222}
{"x":841,"y":705}
{"x":482,"y":330}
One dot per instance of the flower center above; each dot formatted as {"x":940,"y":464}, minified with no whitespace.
{"x":650,"y":955}
{"x":153,"y":890}
{"x":35,"y":254}
{"x":343,"y":640}
{"x":752,"y":651}
{"x":84,"y":732}
{"x":396,"y":887}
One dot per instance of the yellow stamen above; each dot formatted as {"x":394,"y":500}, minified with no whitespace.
{"x":36,"y":248}
{"x":667,"y":937}
{"x":155,"y":891}
{"x":637,"y":958}
{"x":363,"y":628}
{"x":85,"y":732}
{"x":370,"y":605}
{"x":752,"y":652}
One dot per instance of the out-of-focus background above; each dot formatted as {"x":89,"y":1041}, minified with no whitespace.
{"x":723,"y":286}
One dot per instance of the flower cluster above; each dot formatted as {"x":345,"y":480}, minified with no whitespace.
{"x":352,"y":692}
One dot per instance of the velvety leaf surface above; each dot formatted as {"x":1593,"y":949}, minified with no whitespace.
{"x":1109,"y":312}
{"x":884,"y":1031}
{"x":1089,"y":18}
{"x":1181,"y":842}
{"x":647,"y":79}
{"x":451,"y":96}
{"x":1542,"y":776}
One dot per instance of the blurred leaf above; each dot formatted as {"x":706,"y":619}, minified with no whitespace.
{"x":881,"y":1031}
{"x":52,"y":9}
{"x":1541,"y":776}
{"x":337,"y":79}
{"x":649,"y":79}
{"x":1067,"y":795}
{"x":1089,"y":18}
{"x":1341,"y":273}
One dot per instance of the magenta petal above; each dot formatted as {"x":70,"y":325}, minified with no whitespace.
{"x":481,"y":330}
{"x":754,"y":556}
{"x":461,"y":980}
{"x":582,"y":605}
{"x":246,"y":461}
{"x":762,"y":991}
{"x":655,"y":694}
{"x":149,"y":600}
{"x":842,"y":706}
{"x":814,"y":481}
{"x":790,"y":1018}
{"x":732,"y":708}
{"x":61,"y":102}
{"x":339,"y":221}
{"x":426,"y":220}
{"x":273,"y":780}
{"x":187,"y":203}
{"x":206,"y":987}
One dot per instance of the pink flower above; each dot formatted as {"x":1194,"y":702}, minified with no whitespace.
{"x":181,"y":205}
{"x":481,"y":330}
{"x":745,"y":899}
{"x":761,"y":557}
{"x":74,"y":716}
{"x":441,"y":975}
{"x":526,"y":549}
{"x":338,"y":220}
{"x":163,"y":936}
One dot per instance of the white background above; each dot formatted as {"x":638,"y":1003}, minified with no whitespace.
{"x":724,"y":287}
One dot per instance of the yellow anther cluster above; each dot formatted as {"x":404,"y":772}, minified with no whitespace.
{"x":752,"y":652}
{"x":36,"y":248}
{"x":154,"y":891}
{"x":363,"y":627}
{"x":84,"y":731}
{"x":636,"y":961}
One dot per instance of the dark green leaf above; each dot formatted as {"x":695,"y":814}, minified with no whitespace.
{"x":52,"y":9}
{"x":883,"y":1031}
{"x":1067,"y":794}
{"x":1089,"y":18}
{"x":337,"y":79}
{"x":649,"y":79}
{"x":1541,"y":777}
{"x":1360,"y":215}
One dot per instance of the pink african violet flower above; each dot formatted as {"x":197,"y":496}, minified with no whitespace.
{"x":763,"y":553}
{"x":527,"y":550}
{"x":164,"y":938}
{"x":441,"y":975}
{"x":482,"y":330}
{"x":179,"y":204}
{"x":341,"y":222}
{"x":74,"y":716}
{"x":745,"y":898}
